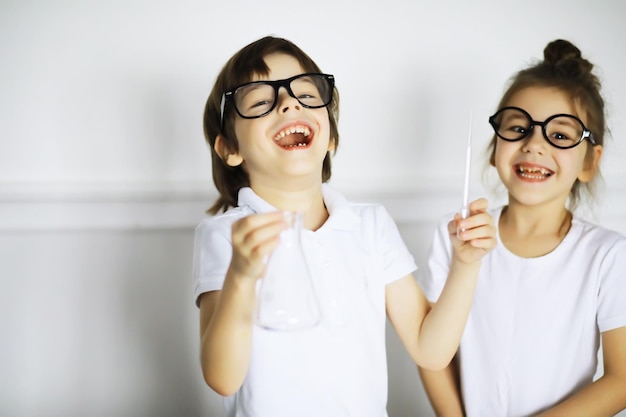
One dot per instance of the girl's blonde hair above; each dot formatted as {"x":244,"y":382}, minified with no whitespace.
{"x":564,"y":68}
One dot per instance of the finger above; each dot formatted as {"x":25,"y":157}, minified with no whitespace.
{"x":477,"y":219}
{"x":452,"y":224}
{"x":255,"y":237}
{"x":258,"y":227}
{"x":255,"y":221}
{"x":478,"y":206}
{"x":463,"y":226}
{"x":483,"y":236}
{"x":487,"y":243}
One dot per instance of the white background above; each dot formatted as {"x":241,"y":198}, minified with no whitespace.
{"x":104,"y":171}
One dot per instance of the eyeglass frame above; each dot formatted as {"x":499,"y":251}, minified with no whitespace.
{"x":586,"y":134}
{"x":276,"y":84}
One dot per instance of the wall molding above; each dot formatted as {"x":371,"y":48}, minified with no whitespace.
{"x":63,"y":207}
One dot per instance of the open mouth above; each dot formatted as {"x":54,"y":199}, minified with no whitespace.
{"x":294,"y":137}
{"x":532,"y":172}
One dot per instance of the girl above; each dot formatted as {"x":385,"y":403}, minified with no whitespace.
{"x":554,"y":288}
{"x":271,"y":123}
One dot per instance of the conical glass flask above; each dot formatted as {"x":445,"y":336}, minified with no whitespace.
{"x":286,"y":299}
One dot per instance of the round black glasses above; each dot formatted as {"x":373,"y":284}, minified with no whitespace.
{"x":259,"y":98}
{"x":562,"y":131}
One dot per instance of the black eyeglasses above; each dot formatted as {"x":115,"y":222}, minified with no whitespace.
{"x":562,"y":131}
{"x":259,"y":98}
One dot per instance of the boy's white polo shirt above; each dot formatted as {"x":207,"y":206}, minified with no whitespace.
{"x":338,"y":368}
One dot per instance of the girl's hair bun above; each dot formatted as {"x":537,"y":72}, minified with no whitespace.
{"x":566,"y":59}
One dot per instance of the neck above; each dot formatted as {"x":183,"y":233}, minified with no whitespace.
{"x":547,"y":219}
{"x":531,"y":231}
{"x":307,"y":200}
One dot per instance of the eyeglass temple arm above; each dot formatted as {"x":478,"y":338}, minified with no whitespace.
{"x":587,"y":134}
{"x":222,"y":104}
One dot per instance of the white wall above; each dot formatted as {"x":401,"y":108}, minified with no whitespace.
{"x":104,"y":171}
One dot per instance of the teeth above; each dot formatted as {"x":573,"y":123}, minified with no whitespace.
{"x":538,"y":172}
{"x":301,"y":144}
{"x":290,"y":131}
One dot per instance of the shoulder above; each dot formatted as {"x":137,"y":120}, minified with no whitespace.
{"x":591,"y":241}
{"x":353,"y":214}
{"x":369,"y":210}
{"x":373,"y":218}
{"x":598,"y":236}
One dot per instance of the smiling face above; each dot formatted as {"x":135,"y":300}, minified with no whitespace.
{"x":288,"y":144}
{"x":533,"y":171}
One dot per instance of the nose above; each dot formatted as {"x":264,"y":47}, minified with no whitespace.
{"x":286,"y":101}
{"x":535,"y":142}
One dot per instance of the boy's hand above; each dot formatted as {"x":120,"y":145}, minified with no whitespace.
{"x":476,"y":233}
{"x":254,"y":239}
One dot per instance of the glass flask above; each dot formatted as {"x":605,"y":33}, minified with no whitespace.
{"x":286,"y":299}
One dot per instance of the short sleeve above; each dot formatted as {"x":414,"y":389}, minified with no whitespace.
{"x":212,"y":252}
{"x":433,"y":277}
{"x":397,"y":261}
{"x":612,"y":292}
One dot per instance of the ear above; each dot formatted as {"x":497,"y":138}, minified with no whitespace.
{"x":231,"y":158}
{"x":591,"y":166}
{"x":332,"y":145}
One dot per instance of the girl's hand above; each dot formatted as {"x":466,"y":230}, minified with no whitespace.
{"x":254,"y":239}
{"x":476,"y":234}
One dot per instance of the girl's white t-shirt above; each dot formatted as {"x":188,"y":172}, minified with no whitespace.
{"x":533,"y":333}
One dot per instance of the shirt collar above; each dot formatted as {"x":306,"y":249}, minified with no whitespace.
{"x":247,"y":197}
{"x":341,"y":214}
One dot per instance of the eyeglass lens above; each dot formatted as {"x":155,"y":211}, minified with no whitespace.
{"x":258,"y":98}
{"x":562,"y":131}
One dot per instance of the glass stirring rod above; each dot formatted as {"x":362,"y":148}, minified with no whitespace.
{"x":468,"y":164}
